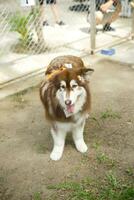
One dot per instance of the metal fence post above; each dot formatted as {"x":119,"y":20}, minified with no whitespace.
{"x":92,"y":25}
{"x":132,"y":23}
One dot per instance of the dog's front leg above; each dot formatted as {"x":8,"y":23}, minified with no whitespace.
{"x":78,"y":137}
{"x":59,"y":142}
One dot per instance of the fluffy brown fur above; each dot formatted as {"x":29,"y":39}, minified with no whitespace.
{"x":55,"y":73}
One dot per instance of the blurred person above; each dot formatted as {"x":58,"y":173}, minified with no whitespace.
{"x":104,"y":15}
{"x":55,"y":11}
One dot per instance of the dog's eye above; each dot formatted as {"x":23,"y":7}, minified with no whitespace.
{"x":62,"y":86}
{"x":74,"y":86}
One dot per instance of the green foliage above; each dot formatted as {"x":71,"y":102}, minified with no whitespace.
{"x":102,"y":157}
{"x":127,"y":194}
{"x":66,"y":186}
{"x":108,"y":189}
{"x":130,"y":171}
{"x":20,"y":23}
{"x":37,"y":196}
{"x":110,"y":114}
{"x":96,"y":145}
{"x":112,"y":180}
{"x":115,"y":189}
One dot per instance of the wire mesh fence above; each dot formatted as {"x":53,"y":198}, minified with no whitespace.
{"x":24,"y":29}
{"x":37,"y":26}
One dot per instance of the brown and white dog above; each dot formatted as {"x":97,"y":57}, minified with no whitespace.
{"x":66,"y":98}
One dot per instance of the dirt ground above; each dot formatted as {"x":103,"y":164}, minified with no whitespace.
{"x":25,"y":140}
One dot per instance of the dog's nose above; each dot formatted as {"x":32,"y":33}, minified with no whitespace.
{"x":68,"y":102}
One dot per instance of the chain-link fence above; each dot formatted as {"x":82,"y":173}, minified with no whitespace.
{"x":34,"y":26}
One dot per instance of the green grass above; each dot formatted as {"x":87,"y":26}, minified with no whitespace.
{"x":112,"y":180}
{"x":77,"y":190}
{"x":20,"y":22}
{"x":109,"y":113}
{"x":85,"y":159}
{"x":19,"y":97}
{"x":110,"y":188}
{"x":102,"y":158}
{"x":96,"y":145}
{"x":130,"y":171}
{"x":66,"y":186}
{"x":37,"y":196}
{"x":96,"y":120}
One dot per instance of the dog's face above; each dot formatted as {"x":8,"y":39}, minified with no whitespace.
{"x":68,"y":95}
{"x":71,"y":90}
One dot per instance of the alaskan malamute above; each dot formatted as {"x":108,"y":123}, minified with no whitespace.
{"x":66,"y":98}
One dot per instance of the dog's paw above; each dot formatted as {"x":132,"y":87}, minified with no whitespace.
{"x":55,"y":155}
{"x":81,"y":146}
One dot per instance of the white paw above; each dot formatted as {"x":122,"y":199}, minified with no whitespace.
{"x":55,"y":155}
{"x":81,"y":146}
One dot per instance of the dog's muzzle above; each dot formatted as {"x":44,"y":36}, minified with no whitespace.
{"x":69,"y":109}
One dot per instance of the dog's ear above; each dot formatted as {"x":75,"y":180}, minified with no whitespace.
{"x":85,"y":73}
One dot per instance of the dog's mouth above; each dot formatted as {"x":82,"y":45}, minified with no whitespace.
{"x":70,"y":108}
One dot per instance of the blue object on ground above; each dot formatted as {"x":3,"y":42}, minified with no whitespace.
{"x":108,"y":52}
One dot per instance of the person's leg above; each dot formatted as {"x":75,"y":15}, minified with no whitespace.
{"x":41,"y":7}
{"x":108,"y":17}
{"x":55,"y":11}
{"x":42,"y":12}
{"x":115,"y":14}
{"x":111,"y":17}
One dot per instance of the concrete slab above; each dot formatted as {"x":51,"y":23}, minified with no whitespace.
{"x":35,"y":77}
{"x":102,"y":39}
{"x":56,"y":36}
{"x":21,"y":84}
{"x":19,"y":65}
